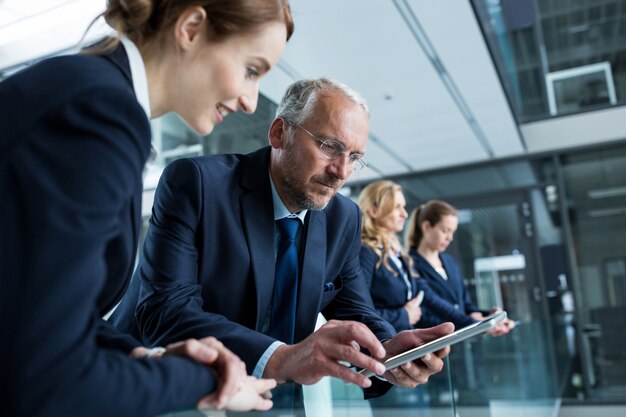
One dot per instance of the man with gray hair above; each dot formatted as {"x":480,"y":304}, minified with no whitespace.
{"x":250,"y":248}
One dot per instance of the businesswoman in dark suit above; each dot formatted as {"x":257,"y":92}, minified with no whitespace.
{"x":75,"y":138}
{"x":385,"y":267}
{"x":394,"y":282}
{"x":429,"y":233}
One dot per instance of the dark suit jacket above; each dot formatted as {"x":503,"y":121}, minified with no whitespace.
{"x":73,"y":143}
{"x":450,"y":300}
{"x":388,"y":290}
{"x":208,"y":261}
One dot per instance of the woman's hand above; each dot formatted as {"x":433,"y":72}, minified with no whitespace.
{"x":253,"y":394}
{"x":413,"y":310}
{"x":230,"y":370}
{"x":504,"y":327}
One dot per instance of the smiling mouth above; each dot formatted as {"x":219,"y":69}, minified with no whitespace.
{"x":223,"y":110}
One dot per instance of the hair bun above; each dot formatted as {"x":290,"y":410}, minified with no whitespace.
{"x":128,"y":16}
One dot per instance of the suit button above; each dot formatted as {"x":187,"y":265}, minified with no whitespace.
{"x":456,"y":306}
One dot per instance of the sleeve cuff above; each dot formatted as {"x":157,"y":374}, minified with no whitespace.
{"x":262,"y":363}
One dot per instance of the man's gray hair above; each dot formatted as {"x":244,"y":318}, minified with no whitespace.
{"x":300,"y":98}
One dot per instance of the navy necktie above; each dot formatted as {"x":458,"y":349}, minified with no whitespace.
{"x":284,"y":300}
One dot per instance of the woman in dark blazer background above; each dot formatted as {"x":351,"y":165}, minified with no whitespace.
{"x":75,"y":138}
{"x":385,"y":267}
{"x":393,"y":280}
{"x":394,"y":284}
{"x":430,"y":231}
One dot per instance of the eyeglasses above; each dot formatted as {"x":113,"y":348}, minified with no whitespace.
{"x":333,"y":149}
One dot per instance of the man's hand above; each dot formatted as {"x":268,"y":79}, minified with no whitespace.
{"x":319,"y":355}
{"x":231,"y":370}
{"x":417,"y":372}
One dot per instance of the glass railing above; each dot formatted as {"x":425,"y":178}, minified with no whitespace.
{"x":507,"y":376}
{"x":332,"y":397}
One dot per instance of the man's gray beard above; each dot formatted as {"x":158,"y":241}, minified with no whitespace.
{"x":301,"y":200}
{"x":292,"y":187}
{"x":308,"y":204}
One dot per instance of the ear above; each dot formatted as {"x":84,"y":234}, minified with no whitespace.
{"x":426,"y":226}
{"x":190,"y":26}
{"x":277,"y":134}
{"x":372,"y":212}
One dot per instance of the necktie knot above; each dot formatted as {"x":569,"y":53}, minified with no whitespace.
{"x":288,"y":227}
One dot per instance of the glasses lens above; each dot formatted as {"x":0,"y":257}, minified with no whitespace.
{"x":332,"y":149}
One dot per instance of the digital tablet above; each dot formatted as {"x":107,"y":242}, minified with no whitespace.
{"x":447,"y":340}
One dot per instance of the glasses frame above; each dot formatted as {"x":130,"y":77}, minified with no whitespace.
{"x":356,"y":165}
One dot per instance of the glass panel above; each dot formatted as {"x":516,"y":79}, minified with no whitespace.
{"x":514,"y":372}
{"x":460,"y":182}
{"x":596,"y":188}
{"x":238,"y":133}
{"x":580,"y":88}
{"x":557,"y":289}
{"x":436,"y":398}
{"x":332,"y":397}
{"x":548,"y":53}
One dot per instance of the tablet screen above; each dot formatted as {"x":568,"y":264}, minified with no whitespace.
{"x":464,"y":333}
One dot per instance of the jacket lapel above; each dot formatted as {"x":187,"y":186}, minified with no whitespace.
{"x":454,"y":280}
{"x":135,"y":216}
{"x":119,"y":57}
{"x":410,"y":275}
{"x":434,"y":278}
{"x":258,"y":219}
{"x":313,"y":273}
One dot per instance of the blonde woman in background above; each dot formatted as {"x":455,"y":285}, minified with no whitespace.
{"x":387,"y":270}
{"x":394,"y":284}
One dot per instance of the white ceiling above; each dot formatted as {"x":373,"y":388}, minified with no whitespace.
{"x":30,"y":29}
{"x":372,"y":45}
{"x":422,"y":65}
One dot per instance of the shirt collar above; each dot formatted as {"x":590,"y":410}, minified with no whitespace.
{"x":138,"y":74}
{"x":280,"y":211}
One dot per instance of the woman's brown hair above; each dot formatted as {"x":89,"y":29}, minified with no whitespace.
{"x":432,"y":212}
{"x":145,"y":21}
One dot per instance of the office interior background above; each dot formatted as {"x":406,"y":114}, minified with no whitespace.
{"x":513,"y":111}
